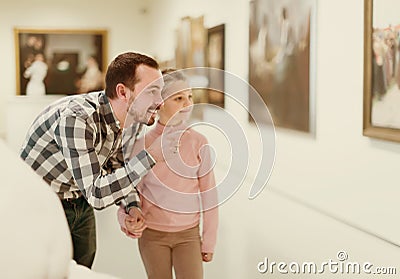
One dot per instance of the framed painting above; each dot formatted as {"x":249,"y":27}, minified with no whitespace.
{"x":281,"y":61}
{"x":216,"y":59}
{"x":190,"y":52}
{"x":191,"y":43}
{"x":381,"y":70}
{"x":59,"y":61}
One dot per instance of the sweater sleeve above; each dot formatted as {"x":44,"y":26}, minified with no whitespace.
{"x":209,"y":200}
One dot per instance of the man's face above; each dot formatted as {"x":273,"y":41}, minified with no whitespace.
{"x":146,"y":98}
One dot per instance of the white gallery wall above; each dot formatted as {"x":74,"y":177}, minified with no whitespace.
{"x":337,"y":190}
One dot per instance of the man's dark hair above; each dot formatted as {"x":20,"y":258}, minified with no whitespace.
{"x":123,"y":70}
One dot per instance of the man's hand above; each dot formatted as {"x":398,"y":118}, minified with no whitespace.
{"x":132,"y":224}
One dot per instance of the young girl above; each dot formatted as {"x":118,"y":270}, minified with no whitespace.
{"x":170,"y":194}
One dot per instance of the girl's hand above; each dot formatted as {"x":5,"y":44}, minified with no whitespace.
{"x":207,"y":257}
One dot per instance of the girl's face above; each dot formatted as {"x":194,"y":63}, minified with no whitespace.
{"x":178,"y":106}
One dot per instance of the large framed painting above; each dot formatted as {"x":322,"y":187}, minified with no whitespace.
{"x":282,"y":62}
{"x":59,"y":61}
{"x":381,"y":70}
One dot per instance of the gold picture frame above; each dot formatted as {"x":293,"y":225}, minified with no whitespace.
{"x":381,"y":71}
{"x":63,"y":58}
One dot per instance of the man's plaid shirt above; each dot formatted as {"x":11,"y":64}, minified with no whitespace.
{"x":75,"y":145}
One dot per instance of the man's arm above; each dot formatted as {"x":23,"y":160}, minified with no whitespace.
{"x":129,"y":141}
{"x":76,"y":139}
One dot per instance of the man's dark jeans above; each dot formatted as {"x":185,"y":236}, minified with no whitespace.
{"x":82,"y":225}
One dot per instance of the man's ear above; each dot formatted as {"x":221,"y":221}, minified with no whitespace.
{"x":122,"y":92}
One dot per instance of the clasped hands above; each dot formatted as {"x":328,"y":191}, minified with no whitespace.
{"x":132,"y":224}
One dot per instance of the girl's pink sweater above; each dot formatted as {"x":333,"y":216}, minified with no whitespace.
{"x":174,"y":193}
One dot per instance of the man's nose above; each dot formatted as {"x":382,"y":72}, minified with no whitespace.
{"x":159,"y":105}
{"x":159,"y":101}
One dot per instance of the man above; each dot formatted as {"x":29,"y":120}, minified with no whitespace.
{"x":77,"y":144}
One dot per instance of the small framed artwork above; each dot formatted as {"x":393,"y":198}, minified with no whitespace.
{"x":216,"y":59}
{"x":60,"y":61}
{"x":282,"y":61}
{"x":381,"y":70}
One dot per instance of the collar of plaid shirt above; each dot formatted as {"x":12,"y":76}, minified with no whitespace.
{"x":107,"y":112}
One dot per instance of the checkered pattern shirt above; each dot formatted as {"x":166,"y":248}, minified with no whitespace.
{"x":76,"y":145}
